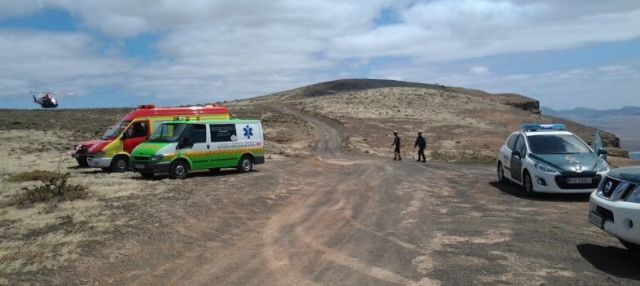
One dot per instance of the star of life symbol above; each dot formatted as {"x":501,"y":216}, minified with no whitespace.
{"x":248,"y":132}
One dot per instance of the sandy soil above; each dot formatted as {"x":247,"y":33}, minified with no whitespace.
{"x":316,"y":215}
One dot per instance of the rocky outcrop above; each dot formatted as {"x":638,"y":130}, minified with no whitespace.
{"x":519,"y":101}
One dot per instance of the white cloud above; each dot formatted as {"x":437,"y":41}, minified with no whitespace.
{"x":232,"y":49}
{"x":438,"y":31}
{"x":479,"y":71}
{"x":32,"y":61}
{"x":599,"y":87}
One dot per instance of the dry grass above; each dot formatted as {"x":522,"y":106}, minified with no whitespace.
{"x":51,"y":232}
{"x":54,"y":187}
{"x":35,"y":175}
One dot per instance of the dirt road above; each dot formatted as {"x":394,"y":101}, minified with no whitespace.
{"x":344,"y":219}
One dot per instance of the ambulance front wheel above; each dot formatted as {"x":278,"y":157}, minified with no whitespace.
{"x":245,"y":164}
{"x":179,"y":170}
{"x":119,"y":164}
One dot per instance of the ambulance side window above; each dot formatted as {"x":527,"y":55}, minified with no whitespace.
{"x":223,"y":132}
{"x":137,"y":129}
{"x":198,"y":133}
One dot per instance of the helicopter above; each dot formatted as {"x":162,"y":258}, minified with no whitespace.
{"x":46,"y":100}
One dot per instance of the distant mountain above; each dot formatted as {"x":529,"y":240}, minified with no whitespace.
{"x":623,"y":121}
{"x":588,"y":113}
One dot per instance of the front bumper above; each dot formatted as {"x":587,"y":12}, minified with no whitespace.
{"x":98,"y":162}
{"x":621,"y":219}
{"x":78,"y":155}
{"x":551,"y":184}
{"x":150,"y":167}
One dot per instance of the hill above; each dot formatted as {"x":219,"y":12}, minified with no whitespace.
{"x":458,"y":122}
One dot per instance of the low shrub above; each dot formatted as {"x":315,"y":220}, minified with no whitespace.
{"x":472,"y":156}
{"x":52,"y":188}
{"x":35,"y":175}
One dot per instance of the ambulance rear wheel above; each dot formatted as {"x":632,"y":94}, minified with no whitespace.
{"x":179,"y":170}
{"x":119,"y":164}
{"x":245,"y":164}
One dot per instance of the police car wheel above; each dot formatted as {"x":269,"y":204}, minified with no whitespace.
{"x":527,"y":185}
{"x":246,"y":164}
{"x":119,"y":164}
{"x":630,"y":245}
{"x":501,"y":178}
{"x":179,"y":170}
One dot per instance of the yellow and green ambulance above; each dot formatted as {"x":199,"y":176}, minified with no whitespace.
{"x":180,"y":147}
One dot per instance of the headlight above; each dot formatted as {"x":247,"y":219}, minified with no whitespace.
{"x":157,"y":157}
{"x":602,"y":167}
{"x":634,"y":197}
{"x":545,"y":168}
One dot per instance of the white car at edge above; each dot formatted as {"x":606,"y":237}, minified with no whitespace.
{"x":615,"y":206}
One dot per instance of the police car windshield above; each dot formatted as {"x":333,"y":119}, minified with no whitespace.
{"x":168,"y":132}
{"x":115,"y":130}
{"x":557,"y":144}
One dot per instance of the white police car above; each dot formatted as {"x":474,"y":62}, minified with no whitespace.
{"x":546,"y":158}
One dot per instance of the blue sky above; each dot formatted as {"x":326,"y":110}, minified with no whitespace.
{"x":125,"y":53}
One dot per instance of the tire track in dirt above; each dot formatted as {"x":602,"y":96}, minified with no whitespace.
{"x":315,"y":222}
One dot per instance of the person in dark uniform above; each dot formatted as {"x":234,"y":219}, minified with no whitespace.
{"x":421,"y":143}
{"x":396,"y":143}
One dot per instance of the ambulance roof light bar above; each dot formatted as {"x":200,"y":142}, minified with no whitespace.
{"x":542,"y":127}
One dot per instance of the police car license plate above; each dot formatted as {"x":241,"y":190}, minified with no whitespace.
{"x":579,"y":180}
{"x":596,"y":219}
{"x":139,"y":166}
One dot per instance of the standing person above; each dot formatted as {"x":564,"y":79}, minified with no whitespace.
{"x":421,"y":143}
{"x":396,"y":143}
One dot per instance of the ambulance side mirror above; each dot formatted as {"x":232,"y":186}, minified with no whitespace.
{"x":602,"y":152}
{"x":515,"y":153}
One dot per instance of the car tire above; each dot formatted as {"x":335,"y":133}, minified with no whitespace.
{"x":630,"y":245}
{"x":179,"y":170}
{"x":500,"y":171}
{"x":245,"y":164}
{"x":119,"y":164}
{"x":147,"y":175}
{"x":527,"y":184}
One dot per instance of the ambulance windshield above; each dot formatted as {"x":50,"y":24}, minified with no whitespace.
{"x":168,"y":132}
{"x":115,"y":130}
